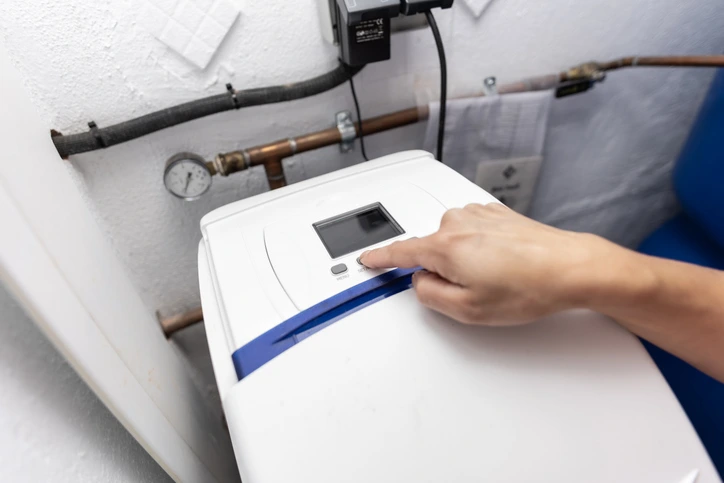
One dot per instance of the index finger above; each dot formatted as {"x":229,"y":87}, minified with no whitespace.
{"x":403,"y":254}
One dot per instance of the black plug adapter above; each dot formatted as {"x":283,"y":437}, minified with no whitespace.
{"x":412,"y":7}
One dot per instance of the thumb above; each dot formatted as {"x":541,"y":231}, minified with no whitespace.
{"x":442,"y":296}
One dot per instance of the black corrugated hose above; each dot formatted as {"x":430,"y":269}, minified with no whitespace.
{"x":99,"y":138}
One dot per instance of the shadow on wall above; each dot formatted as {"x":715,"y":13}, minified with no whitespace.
{"x":52,"y":426}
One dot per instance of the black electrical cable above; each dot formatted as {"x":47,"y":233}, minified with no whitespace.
{"x":443,"y":83}
{"x":359,"y":120}
{"x":98,"y":138}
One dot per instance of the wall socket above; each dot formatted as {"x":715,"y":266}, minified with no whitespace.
{"x":511,"y":181}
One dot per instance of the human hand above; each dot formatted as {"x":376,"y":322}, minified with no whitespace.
{"x":489,"y":265}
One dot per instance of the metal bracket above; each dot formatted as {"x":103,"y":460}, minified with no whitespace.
{"x":490,"y":86}
{"x":346,"y":131}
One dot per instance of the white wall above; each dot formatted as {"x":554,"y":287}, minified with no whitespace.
{"x":611,"y":148}
{"x":52,"y":426}
{"x":59,"y":265}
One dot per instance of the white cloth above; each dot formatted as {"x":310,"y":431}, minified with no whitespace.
{"x":508,"y":126}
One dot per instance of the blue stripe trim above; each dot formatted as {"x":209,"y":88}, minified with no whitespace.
{"x":267,"y":346}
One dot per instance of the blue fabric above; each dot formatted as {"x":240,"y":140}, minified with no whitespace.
{"x":699,"y":173}
{"x":681,"y":239}
{"x":697,"y":236}
{"x":701,"y":396}
{"x":279,"y":339}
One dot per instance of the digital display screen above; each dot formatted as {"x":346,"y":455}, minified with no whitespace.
{"x":357,"y":229}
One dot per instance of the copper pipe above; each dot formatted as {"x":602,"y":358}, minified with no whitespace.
{"x":588,"y":69}
{"x":670,"y":61}
{"x":316,"y":140}
{"x":275,"y":174}
{"x":541,"y":83}
{"x":181,"y":321}
{"x":283,"y":148}
{"x":271,"y":154}
{"x":235,"y":161}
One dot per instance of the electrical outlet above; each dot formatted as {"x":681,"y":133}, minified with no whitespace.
{"x":511,"y":181}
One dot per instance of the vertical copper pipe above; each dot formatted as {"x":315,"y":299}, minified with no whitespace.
{"x":275,"y":173}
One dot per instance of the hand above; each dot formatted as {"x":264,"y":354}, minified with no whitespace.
{"x":489,"y":265}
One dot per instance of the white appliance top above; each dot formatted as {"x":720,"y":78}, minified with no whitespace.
{"x":397,"y":393}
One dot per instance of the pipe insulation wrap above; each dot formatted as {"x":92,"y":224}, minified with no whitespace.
{"x":135,"y":128}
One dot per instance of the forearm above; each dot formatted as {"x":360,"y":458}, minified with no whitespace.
{"x":677,"y":306}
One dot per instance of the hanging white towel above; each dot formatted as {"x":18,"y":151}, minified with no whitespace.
{"x":495,"y":141}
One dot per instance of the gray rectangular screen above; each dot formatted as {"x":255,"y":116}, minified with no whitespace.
{"x":357,"y":229}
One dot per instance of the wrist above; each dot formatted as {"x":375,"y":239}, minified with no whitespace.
{"x":610,"y":277}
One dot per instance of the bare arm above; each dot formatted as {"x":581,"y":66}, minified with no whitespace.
{"x":491,"y":266}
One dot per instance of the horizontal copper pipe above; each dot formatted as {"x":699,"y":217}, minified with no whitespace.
{"x":275,"y":151}
{"x":283,"y":148}
{"x":261,"y":155}
{"x":670,"y":61}
{"x":588,"y":69}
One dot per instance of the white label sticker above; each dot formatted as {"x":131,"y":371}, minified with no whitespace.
{"x":370,"y":30}
{"x":512,"y":181}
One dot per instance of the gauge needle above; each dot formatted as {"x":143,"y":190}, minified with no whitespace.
{"x":188,"y":180}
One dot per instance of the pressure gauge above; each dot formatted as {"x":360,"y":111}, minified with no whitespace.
{"x":187,"y":176}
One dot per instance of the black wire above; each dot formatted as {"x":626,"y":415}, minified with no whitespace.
{"x":102,"y":137}
{"x":443,"y":83}
{"x":359,"y":120}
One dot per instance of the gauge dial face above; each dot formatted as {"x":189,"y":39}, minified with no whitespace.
{"x":187,"y":178}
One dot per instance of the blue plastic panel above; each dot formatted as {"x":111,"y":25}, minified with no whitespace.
{"x":286,"y":335}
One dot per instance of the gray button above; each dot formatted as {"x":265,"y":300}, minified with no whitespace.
{"x":337,"y":269}
{"x":359,"y":261}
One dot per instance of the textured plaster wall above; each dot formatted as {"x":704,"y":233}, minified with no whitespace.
{"x":52,"y":426}
{"x":608,"y":152}
{"x":86,"y":60}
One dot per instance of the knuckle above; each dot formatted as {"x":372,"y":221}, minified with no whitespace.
{"x":453,"y":215}
{"x":496,"y":208}
{"x":442,"y":238}
{"x":451,"y":239}
{"x":394,"y":248}
{"x":474,"y":208}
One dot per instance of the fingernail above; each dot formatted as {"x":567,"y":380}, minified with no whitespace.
{"x":364,"y":254}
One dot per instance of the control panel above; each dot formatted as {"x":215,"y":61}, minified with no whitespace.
{"x":316,"y":254}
